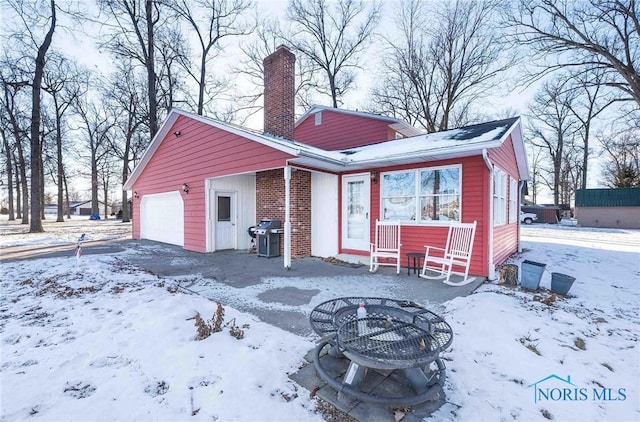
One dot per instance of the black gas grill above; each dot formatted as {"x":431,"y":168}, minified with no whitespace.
{"x":268,"y":236}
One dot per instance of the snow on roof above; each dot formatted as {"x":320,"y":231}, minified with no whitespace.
{"x":469,"y":137}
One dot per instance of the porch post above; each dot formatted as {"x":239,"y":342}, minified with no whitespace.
{"x":287,"y":217}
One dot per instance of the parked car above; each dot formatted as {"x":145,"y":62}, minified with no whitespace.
{"x":527,"y":217}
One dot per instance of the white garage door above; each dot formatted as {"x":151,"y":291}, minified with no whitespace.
{"x":162,"y":218}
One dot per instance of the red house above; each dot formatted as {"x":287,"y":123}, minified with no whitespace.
{"x":328,"y":177}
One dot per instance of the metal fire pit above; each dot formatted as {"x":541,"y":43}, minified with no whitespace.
{"x":397,"y":335}
{"x":323,"y":317}
{"x":386,"y":343}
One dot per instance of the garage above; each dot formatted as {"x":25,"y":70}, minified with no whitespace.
{"x":162,"y":218}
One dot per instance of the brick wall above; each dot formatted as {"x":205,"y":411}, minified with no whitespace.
{"x":300,"y":213}
{"x":279,"y":93}
{"x":270,"y":202}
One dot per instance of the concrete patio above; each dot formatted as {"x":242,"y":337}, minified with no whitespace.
{"x":277,"y":295}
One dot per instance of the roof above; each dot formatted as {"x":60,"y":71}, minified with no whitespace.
{"x":620,"y":197}
{"x":461,"y":142}
{"x":396,"y":124}
{"x":469,"y":137}
{"x":454,"y":143}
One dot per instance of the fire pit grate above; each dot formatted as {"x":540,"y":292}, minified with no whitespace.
{"x":387,"y":343}
{"x":395,"y":335}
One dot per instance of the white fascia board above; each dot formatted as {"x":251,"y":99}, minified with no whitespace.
{"x":521,"y":153}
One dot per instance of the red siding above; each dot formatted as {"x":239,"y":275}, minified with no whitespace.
{"x":505,"y":237}
{"x":199,"y":153}
{"x":341,"y":131}
{"x":475,"y":176}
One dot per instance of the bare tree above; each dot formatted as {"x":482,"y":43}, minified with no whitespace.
{"x":553,"y":129}
{"x":173,"y":57}
{"x":267,"y":38}
{"x":211,"y":21}
{"x":333,"y":36}
{"x":591,"y":101}
{"x":124,"y":97}
{"x":16,"y":117}
{"x":62,"y":82}
{"x":134,"y":30}
{"x":34,"y":19}
{"x":97,"y":124}
{"x":587,"y":35}
{"x":441,"y":63}
{"x":13,"y":117}
{"x":621,"y":157}
{"x":8,"y":150}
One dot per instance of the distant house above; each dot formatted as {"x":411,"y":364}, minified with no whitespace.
{"x":76,"y":208}
{"x":328,"y":177}
{"x":549,"y":214}
{"x":612,"y":208}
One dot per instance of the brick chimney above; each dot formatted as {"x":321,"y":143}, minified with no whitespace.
{"x":279,"y":93}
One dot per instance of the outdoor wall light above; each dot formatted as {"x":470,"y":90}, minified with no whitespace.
{"x":185,"y":188}
{"x":177,"y":133}
{"x":374,"y":177}
{"x":135,"y":194}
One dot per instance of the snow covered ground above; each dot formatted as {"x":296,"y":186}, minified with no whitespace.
{"x":98,"y":339}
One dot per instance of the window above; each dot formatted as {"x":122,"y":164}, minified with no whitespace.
{"x":318,"y":118}
{"x":499,"y":197}
{"x":224,"y":208}
{"x":399,"y":135}
{"x":422,"y":195}
{"x":513,"y":200}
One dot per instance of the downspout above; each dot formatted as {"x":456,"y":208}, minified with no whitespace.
{"x":287,"y":217}
{"x":492,"y":269}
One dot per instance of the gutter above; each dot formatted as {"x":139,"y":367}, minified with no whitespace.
{"x":492,"y":269}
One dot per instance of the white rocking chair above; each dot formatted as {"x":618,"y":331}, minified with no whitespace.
{"x":386,"y":246}
{"x":457,"y":252}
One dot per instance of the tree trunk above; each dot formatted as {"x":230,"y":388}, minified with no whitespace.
{"x":151,"y":73}
{"x":585,"y":155}
{"x":202,"y":82}
{"x":18,"y":192}
{"x":66,"y":190}
{"x":36,"y":161}
{"x":105,"y":190}
{"x":125,"y":175}
{"x":22,"y":166}
{"x":60,"y":175}
{"x":94,"y":184}
{"x":42,"y":201}
{"x":7,"y":149}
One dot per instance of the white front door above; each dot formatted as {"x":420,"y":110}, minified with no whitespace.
{"x":355,"y":212}
{"x":225,"y":220}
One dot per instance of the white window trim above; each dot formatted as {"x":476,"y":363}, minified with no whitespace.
{"x":318,"y":118}
{"x":499,"y":197}
{"x":417,"y":195}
